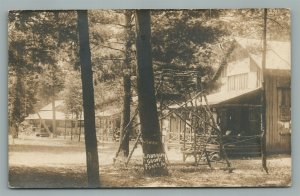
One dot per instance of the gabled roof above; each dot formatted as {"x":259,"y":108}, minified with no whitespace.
{"x":226,"y":96}
{"x":48,"y":107}
{"x":46,"y":115}
{"x":218,"y":98}
{"x":278,"y":53}
{"x":238,"y":67}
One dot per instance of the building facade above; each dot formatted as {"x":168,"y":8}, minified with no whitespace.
{"x":236,"y":104}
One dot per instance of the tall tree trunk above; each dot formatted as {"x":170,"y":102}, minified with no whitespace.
{"x":65,"y":129}
{"x":124,"y":134}
{"x":263,"y":95}
{"x":43,"y":123}
{"x":17,"y":104}
{"x":88,"y":101}
{"x":154,"y":156}
{"x":72,"y":127}
{"x":76,"y":125}
{"x":79,"y":135}
{"x":56,"y":15}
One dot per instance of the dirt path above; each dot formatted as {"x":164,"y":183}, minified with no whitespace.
{"x":56,"y":163}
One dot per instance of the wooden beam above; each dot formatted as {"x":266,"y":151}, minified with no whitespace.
{"x":237,"y":105}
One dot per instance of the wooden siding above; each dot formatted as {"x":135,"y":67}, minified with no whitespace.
{"x":278,"y":137}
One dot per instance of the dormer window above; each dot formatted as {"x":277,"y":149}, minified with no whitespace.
{"x":238,"y":82}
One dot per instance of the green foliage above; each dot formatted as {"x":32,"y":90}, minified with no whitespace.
{"x":249,"y":23}
{"x":72,"y":93}
{"x":43,"y":47}
{"x":184,"y":41}
{"x":108,"y":93}
{"x":38,"y":42}
{"x":183,"y":38}
{"x":110,"y":35}
{"x":51,"y":82}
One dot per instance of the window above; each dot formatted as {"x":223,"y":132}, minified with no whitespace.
{"x":258,"y":75}
{"x":238,"y":82}
{"x":253,"y":114}
{"x":285,"y":104}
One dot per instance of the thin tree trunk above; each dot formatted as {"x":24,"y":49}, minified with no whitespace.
{"x":44,"y":123}
{"x":161,"y":102}
{"x":127,"y":90}
{"x":126,"y":117}
{"x":76,"y":126}
{"x":17,"y":104}
{"x":154,"y":156}
{"x":16,"y":131}
{"x":53,"y":113}
{"x":79,"y":135}
{"x":263,"y":97}
{"x":88,"y":101}
{"x":65,"y":129}
{"x":72,"y":127}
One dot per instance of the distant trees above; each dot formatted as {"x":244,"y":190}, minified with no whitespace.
{"x":185,"y":37}
{"x":108,"y":42}
{"x":72,"y":95}
{"x":51,"y":83}
{"x":184,"y":40}
{"x":112,"y":37}
{"x":37,"y":41}
{"x":23,"y":69}
{"x":247,"y":23}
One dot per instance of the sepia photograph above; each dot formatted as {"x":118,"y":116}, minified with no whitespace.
{"x":149,"y":98}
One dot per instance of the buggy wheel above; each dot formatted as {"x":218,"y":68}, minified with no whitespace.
{"x":214,"y":156}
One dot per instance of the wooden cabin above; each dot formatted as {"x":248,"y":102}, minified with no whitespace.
{"x":65,"y":124}
{"x":278,"y":91}
{"x":236,"y":104}
{"x":278,"y":114}
{"x":108,"y":124}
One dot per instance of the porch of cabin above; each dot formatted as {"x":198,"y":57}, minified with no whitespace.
{"x":238,"y":119}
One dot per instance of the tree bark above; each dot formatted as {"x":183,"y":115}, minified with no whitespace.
{"x":126,"y":117}
{"x":127,"y":91}
{"x":88,"y":101}
{"x":154,"y":156}
{"x":79,"y":135}
{"x":17,"y":113}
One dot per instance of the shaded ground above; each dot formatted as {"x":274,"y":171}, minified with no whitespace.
{"x":58,"y":163}
{"x":246,"y":173}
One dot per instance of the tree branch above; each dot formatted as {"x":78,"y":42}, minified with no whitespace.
{"x":275,"y":21}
